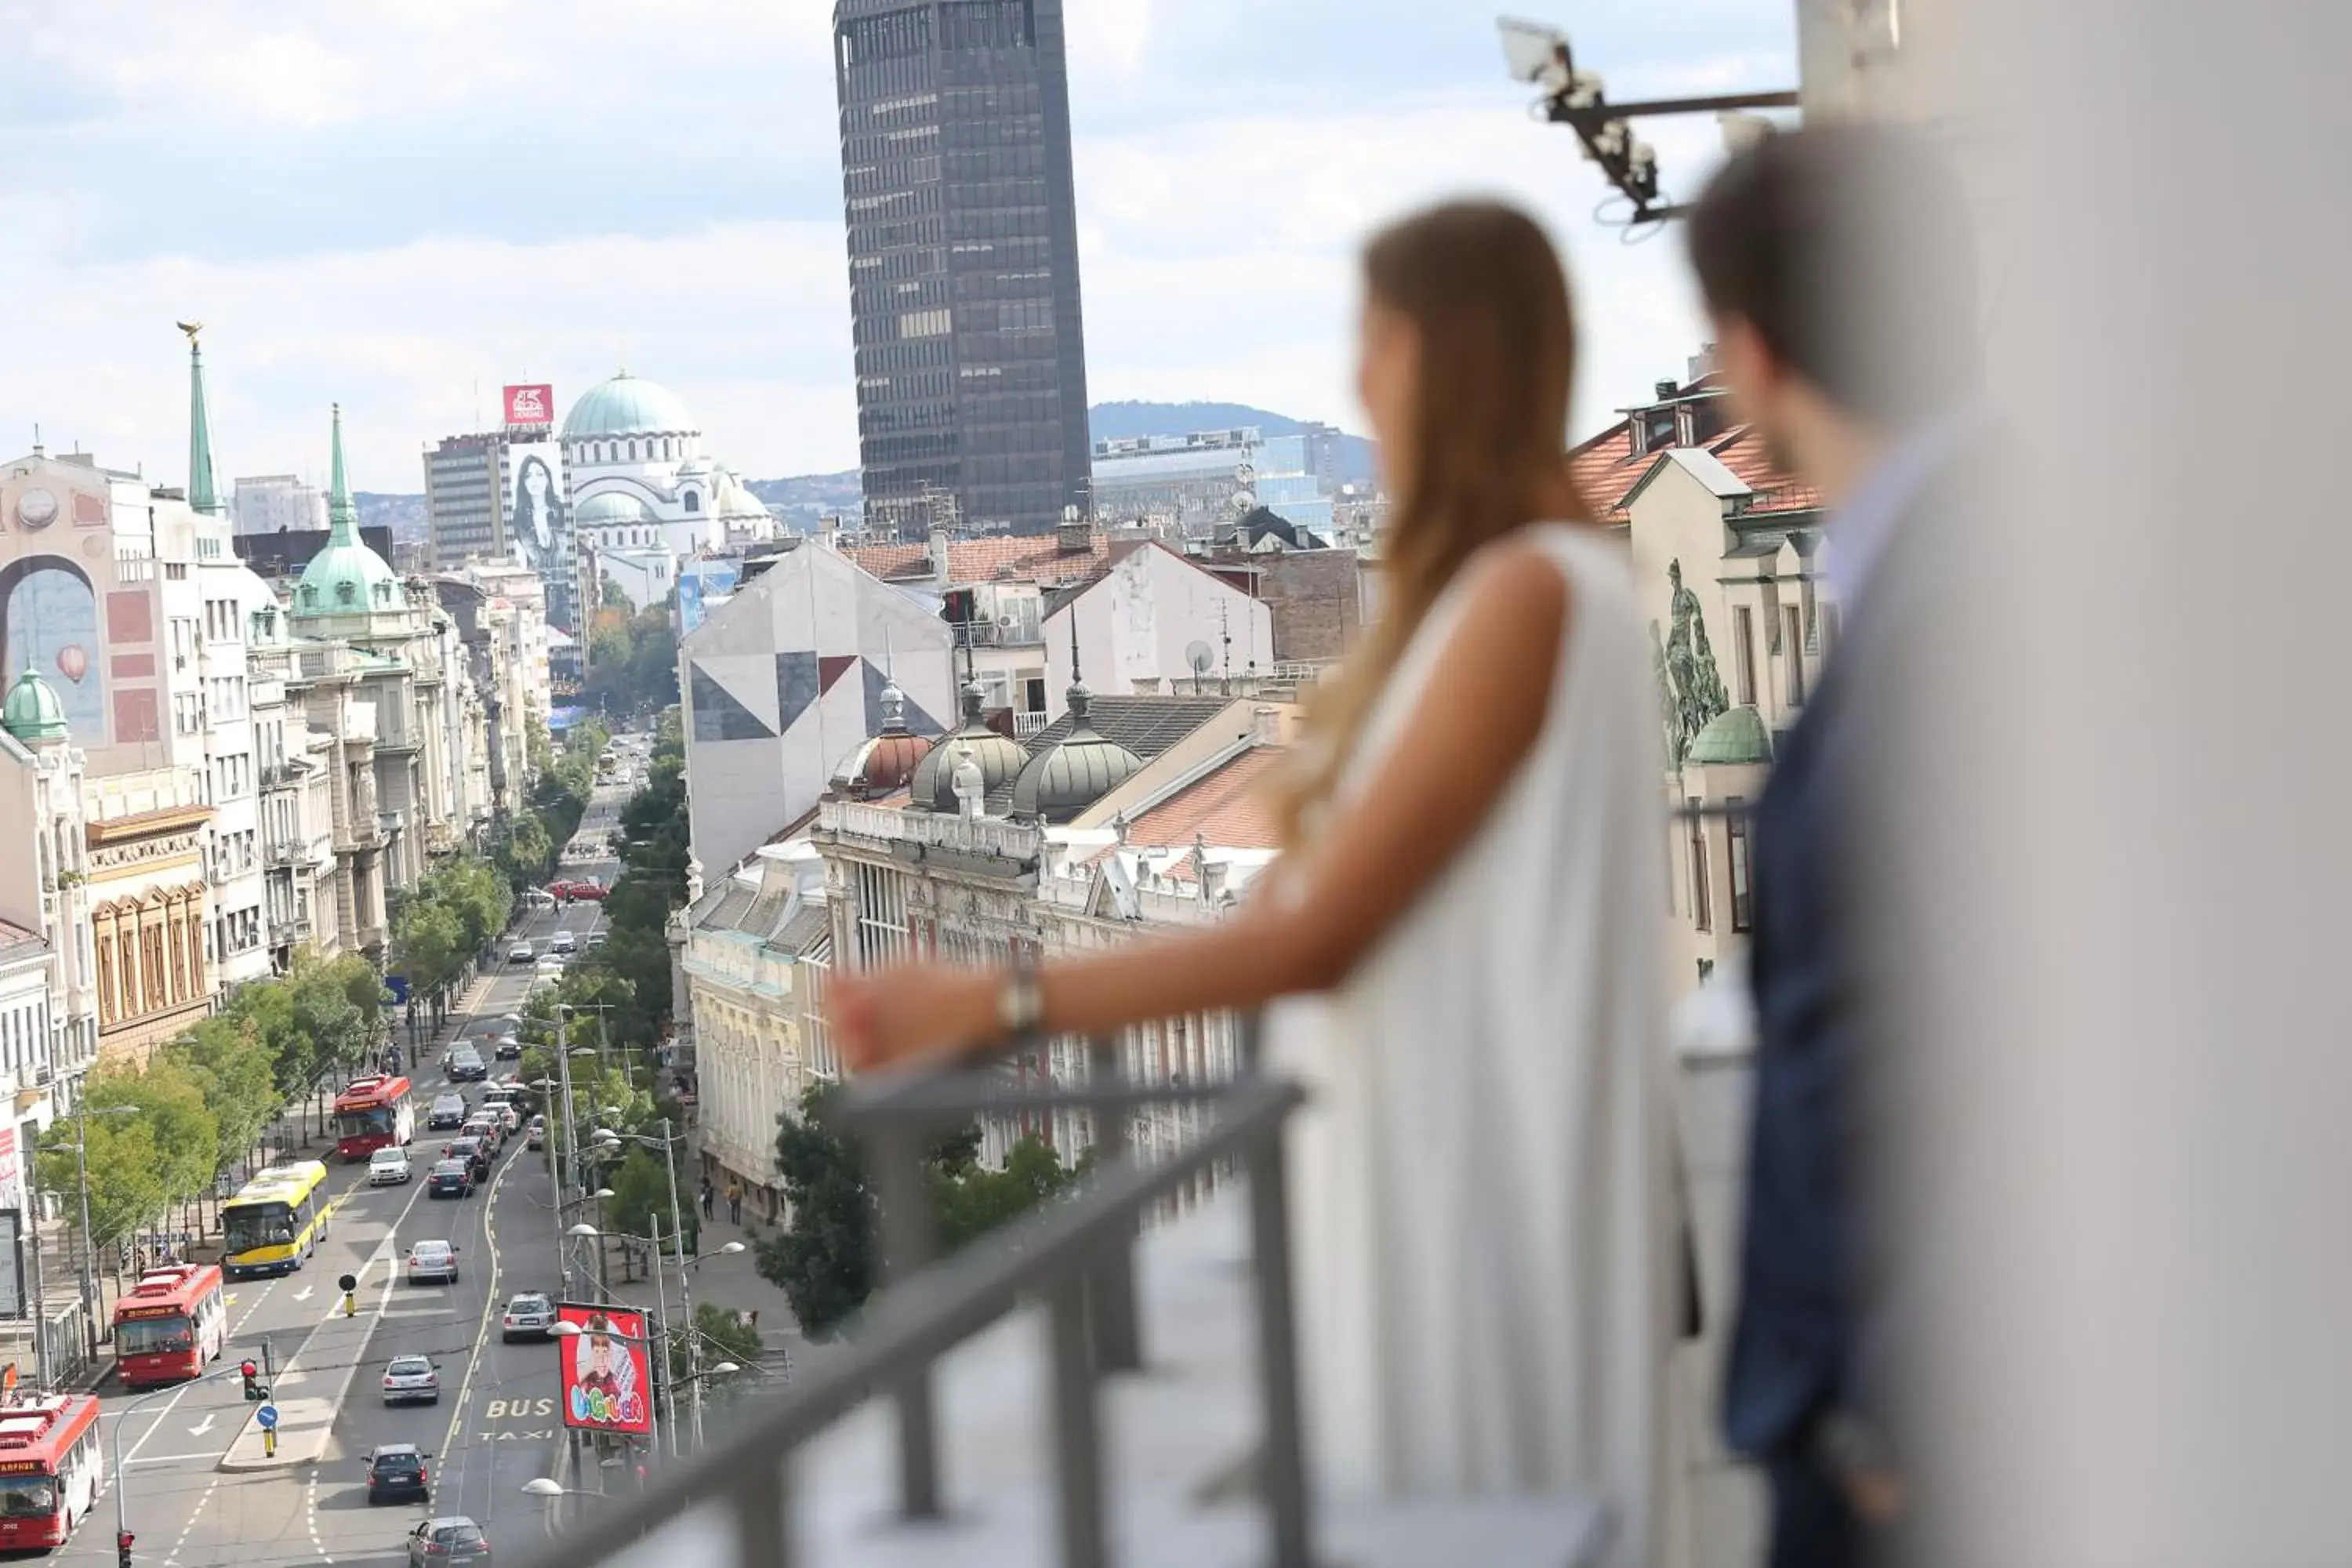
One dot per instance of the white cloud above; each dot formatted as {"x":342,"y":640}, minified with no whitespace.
{"x":423,"y":196}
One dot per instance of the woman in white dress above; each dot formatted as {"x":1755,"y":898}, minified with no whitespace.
{"x":1464,"y":942}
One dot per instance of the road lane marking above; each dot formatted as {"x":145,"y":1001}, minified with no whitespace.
{"x":304,"y":1293}
{"x":202,"y":1427}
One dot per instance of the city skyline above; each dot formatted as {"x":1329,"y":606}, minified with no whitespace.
{"x":342,"y":201}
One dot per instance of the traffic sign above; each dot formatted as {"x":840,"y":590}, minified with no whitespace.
{"x":348,"y":1283}
{"x":267,"y":1416}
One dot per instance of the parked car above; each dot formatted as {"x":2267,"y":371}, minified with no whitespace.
{"x":396,"y":1473}
{"x":389,"y":1167}
{"x":562,"y":942}
{"x":454,"y":1539}
{"x":537,"y":1138}
{"x":521,"y":952}
{"x":432,"y":1260}
{"x":450,"y":1179}
{"x":448,"y":1110}
{"x":530,"y":1315}
{"x":409,"y":1379}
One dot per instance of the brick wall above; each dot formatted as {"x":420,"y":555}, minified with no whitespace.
{"x":1314,"y":599}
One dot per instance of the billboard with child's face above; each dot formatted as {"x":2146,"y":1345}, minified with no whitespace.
{"x":607,"y":1375}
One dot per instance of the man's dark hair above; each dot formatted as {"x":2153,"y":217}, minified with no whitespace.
{"x":1848,"y":248}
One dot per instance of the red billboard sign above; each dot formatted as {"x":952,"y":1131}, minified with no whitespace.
{"x":532,"y":405}
{"x":607,"y":1374}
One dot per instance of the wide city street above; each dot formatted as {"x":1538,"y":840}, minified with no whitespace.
{"x":185,"y":1493}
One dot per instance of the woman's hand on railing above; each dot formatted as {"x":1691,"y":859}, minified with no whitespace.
{"x":912,"y":1013}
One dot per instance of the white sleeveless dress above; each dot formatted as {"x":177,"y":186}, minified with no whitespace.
{"x":1480,"y":1195}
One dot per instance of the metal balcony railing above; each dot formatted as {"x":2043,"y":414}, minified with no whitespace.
{"x":1077,"y":1256}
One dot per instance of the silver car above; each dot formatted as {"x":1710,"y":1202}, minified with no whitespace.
{"x":530,"y":1315}
{"x":410,"y":1378}
{"x":432,"y":1260}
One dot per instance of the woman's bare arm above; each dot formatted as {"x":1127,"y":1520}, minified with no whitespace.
{"x":1473,"y":724}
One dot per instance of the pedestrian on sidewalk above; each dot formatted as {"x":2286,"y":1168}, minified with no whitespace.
{"x":734,"y":1204}
{"x":709,"y":1195}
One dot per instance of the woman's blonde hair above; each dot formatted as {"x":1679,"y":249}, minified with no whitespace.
{"x":1487,"y":297}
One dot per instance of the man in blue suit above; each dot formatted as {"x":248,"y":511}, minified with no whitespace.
{"x":1837,"y":265}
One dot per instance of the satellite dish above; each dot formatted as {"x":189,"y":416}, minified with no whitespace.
{"x":1200,"y":656}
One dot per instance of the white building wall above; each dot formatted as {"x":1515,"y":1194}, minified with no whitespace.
{"x":1135,"y":627}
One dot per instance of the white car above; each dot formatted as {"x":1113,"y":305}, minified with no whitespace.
{"x":389,"y":1167}
{"x":432,"y":1260}
{"x":564,"y":941}
{"x":530,"y":1315}
{"x":521,"y":952}
{"x":550,"y":968}
{"x":408,"y":1378}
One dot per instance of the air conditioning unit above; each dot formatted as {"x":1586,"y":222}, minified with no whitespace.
{"x":43,"y":1074}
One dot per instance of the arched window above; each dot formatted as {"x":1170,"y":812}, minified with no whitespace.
{"x":693,"y":502}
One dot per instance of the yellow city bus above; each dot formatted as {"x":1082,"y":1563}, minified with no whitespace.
{"x":275,"y":1222}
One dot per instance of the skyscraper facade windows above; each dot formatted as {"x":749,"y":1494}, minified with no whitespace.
{"x":966,"y":319}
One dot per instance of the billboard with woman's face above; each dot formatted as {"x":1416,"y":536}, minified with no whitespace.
{"x":539,"y":523}
{"x":607,"y":1374}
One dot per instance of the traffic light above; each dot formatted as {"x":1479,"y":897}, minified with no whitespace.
{"x":253,"y":1389}
{"x":122,"y":1540}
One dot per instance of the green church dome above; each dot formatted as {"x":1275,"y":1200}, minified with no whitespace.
{"x":33,"y":712}
{"x":626,"y":406}
{"x":1733,"y":738}
{"x":346,"y":578}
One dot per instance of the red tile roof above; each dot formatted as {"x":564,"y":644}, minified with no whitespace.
{"x":1230,"y":808}
{"x":1021,"y":558}
{"x":1606,"y":468}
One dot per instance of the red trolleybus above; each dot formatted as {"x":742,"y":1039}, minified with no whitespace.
{"x":48,"y":1469}
{"x":167,"y":1327}
{"x":373,"y":1113}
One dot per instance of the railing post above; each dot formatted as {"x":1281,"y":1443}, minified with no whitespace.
{"x":909,"y":1239}
{"x":1078,"y":1442}
{"x":1284,"y":1475}
{"x":1110,"y":1291}
{"x":762,"y":1537}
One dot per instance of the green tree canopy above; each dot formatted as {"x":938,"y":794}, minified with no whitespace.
{"x":428,"y":944}
{"x":228,"y":1061}
{"x":827,"y":1262}
{"x":721,"y":1333}
{"x":126,"y":1172}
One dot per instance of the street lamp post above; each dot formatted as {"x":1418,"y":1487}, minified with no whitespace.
{"x":88,"y":1241}
{"x":677,"y":1235}
{"x":122,"y":1518}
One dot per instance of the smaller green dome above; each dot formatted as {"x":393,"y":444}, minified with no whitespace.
{"x":33,"y":712}
{"x":613,"y":508}
{"x":1734,"y":738}
{"x":346,"y":578}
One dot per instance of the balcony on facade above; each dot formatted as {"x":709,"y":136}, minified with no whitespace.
{"x":285,"y":931}
{"x":286,"y":774}
{"x":1025,"y":724}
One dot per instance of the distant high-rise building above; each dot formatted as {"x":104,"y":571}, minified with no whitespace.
{"x":278,"y":503}
{"x":462,"y":477}
{"x":963,"y":261}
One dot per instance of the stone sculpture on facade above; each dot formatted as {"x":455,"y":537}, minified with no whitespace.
{"x":1698,"y":695}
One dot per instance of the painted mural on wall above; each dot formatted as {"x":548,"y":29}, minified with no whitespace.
{"x":1692,"y":685}
{"x":49,"y":613}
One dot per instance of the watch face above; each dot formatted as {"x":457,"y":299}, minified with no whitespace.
{"x":36,"y":508}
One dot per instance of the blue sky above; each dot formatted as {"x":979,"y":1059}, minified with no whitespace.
{"x":390,"y":203}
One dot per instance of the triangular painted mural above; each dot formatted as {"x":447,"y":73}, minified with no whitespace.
{"x":717,"y":715}
{"x":918,"y":720}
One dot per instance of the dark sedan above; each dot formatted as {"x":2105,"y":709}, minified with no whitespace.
{"x":450,"y":1179}
{"x":395,"y":1473}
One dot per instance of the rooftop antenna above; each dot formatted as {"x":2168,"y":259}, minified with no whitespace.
{"x":1225,"y":630}
{"x":36,"y":440}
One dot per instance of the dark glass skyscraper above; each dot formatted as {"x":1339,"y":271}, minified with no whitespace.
{"x":963,"y":261}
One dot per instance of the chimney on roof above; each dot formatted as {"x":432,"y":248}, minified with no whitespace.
{"x":1666,"y":390}
{"x":1076,"y":535}
{"x":935,"y":546}
{"x":1265,"y":726}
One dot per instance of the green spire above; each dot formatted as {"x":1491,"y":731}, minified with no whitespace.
{"x":204,"y":496}
{"x":342,"y":516}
